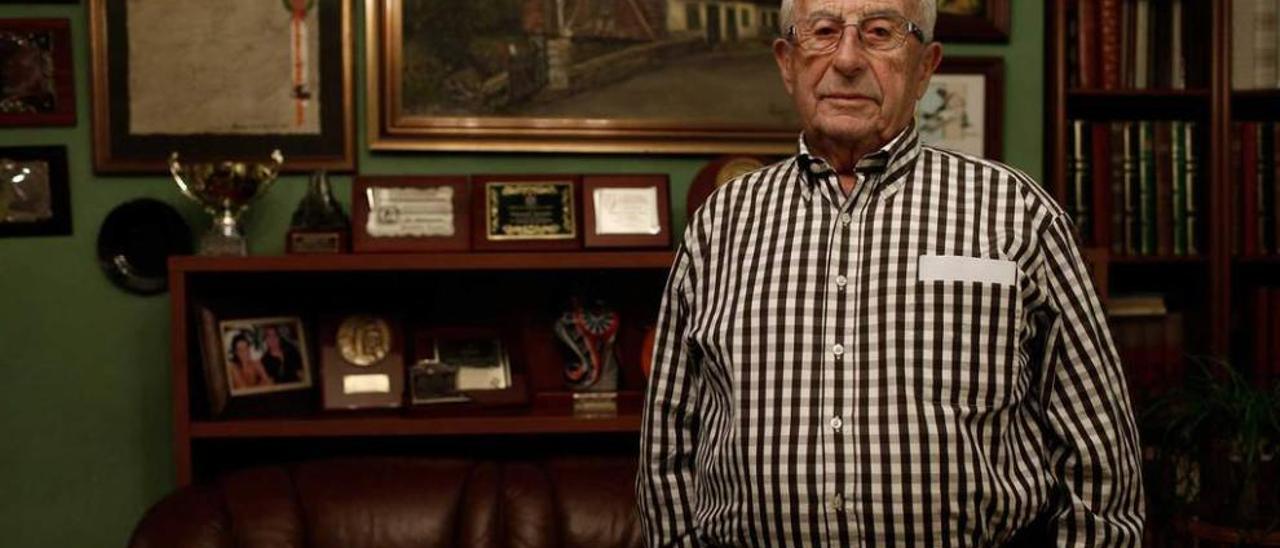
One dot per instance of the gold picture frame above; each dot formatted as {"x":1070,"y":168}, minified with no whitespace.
{"x":481,"y":98}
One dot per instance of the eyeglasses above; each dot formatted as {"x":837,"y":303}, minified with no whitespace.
{"x":877,"y":33}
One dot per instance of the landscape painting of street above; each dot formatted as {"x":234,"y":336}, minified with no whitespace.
{"x":691,"y":62}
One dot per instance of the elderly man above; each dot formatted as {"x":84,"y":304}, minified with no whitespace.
{"x":880,"y":343}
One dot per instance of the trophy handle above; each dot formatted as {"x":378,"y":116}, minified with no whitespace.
{"x":175,"y":169}
{"x":278,"y":159}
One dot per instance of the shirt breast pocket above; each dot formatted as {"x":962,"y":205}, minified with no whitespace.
{"x":971,"y":329}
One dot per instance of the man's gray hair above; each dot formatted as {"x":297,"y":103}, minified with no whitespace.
{"x":928,"y":16}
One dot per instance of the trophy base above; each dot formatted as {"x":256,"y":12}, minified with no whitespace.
{"x":219,"y":245}
{"x":316,"y":241}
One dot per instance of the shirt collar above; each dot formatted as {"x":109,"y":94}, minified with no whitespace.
{"x":884,"y":166}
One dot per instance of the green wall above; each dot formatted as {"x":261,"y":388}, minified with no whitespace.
{"x":84,"y":398}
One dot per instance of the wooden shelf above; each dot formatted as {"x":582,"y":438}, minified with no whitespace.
{"x":339,"y":426}
{"x":584,"y":260}
{"x":1158,"y":260}
{"x":1138,"y":104}
{"x":1255,"y":104}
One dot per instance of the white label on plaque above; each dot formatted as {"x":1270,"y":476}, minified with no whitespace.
{"x":626,"y":210}
{"x":400,"y":212}
{"x":482,"y":378}
{"x":366,"y":384}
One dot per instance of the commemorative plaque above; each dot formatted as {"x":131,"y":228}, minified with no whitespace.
{"x":626,"y":211}
{"x":362,"y":362}
{"x":463,"y":364}
{"x":526,"y":213}
{"x":715,"y":174}
{"x":319,"y":225}
{"x":411,"y":214}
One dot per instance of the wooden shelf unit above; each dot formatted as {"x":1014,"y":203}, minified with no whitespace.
{"x":1211,"y":108}
{"x":517,"y":294}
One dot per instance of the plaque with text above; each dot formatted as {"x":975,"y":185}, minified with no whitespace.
{"x":526,"y":213}
{"x":411,"y":214}
{"x":462,"y":363}
{"x":626,"y":211}
{"x":362,"y":361}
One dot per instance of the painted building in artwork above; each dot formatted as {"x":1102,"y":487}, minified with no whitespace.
{"x":724,"y":21}
{"x":629,"y":20}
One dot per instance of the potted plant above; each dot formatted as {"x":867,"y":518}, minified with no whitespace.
{"x":1212,"y":443}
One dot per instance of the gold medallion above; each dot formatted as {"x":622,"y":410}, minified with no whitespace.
{"x":364,"y":340}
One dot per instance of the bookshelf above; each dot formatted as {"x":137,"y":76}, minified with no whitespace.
{"x":1215,"y":296}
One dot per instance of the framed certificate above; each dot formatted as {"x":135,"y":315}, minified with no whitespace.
{"x":526,"y":212}
{"x":464,"y":364}
{"x":626,"y":211}
{"x":410,"y":214}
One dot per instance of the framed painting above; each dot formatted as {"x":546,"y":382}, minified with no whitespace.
{"x":36,"y":80}
{"x":34,"y":195}
{"x":229,"y":80}
{"x":973,"y":21}
{"x":608,"y":76}
{"x":963,"y":108}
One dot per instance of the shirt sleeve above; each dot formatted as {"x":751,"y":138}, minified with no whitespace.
{"x":1092,"y":439}
{"x":665,"y":485}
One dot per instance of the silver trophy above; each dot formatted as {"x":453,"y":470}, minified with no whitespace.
{"x":225,"y":189}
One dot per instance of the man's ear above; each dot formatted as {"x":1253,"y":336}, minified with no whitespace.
{"x":929,"y":62}
{"x":782,"y":55}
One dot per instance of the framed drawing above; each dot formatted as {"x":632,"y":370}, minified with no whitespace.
{"x":34,"y":197}
{"x":647,"y":76}
{"x":221,"y":80}
{"x":973,"y":21}
{"x":963,"y":108}
{"x":36,"y":80}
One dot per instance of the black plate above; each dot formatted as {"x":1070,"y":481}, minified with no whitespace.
{"x":135,"y":242}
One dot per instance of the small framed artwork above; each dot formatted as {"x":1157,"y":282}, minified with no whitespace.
{"x":626,"y":211}
{"x":228,"y":80}
{"x":34,"y":196}
{"x":973,"y":20}
{"x":263,"y":355}
{"x":36,"y":77}
{"x":963,"y":108}
{"x":411,"y":214}
{"x":525,"y":213}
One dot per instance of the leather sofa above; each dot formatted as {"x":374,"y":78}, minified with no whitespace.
{"x":401,"y":502}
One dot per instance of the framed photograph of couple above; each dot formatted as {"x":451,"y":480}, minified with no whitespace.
{"x":224,"y":80}
{"x":963,"y":109}
{"x":262,"y":355}
{"x":606,"y":76}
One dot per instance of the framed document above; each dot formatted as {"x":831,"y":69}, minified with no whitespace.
{"x":37,"y":82}
{"x":362,"y":361}
{"x":411,"y":214}
{"x":525,"y":212}
{"x":626,"y":211}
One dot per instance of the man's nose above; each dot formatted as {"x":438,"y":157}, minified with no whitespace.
{"x":851,"y":56}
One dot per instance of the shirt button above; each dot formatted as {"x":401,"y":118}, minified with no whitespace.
{"x":842,"y":281}
{"x":837,"y":502}
{"x":816,"y":167}
{"x":838,"y":350}
{"x":846,"y":219}
{"x":837,"y":423}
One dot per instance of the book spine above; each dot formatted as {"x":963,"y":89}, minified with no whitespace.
{"x":1178,"y":190}
{"x":1109,"y":20}
{"x":1099,"y":186}
{"x":1261,"y":340}
{"x":1247,"y":183}
{"x":1146,"y":189}
{"x":1178,"y":78}
{"x":1266,"y":195}
{"x":1142,"y":46}
{"x":1273,"y":165}
{"x":1265,"y":44}
{"x":1242,"y":46}
{"x":1163,"y":188}
{"x":1080,"y":178}
{"x":1130,"y":187}
{"x":1087,"y":35}
{"x":1116,"y":181}
{"x":1192,"y":170}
